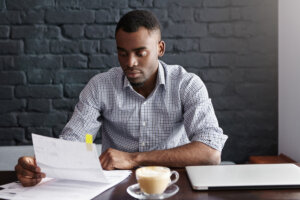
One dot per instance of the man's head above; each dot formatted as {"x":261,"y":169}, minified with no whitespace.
{"x":139,"y":44}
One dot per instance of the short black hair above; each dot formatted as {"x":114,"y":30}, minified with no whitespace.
{"x":135,"y":19}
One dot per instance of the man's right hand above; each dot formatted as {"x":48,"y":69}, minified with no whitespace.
{"x":28,"y":173}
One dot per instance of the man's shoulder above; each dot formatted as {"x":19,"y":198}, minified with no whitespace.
{"x":178,"y":73}
{"x":113,"y":75}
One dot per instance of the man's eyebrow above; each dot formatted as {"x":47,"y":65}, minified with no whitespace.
{"x":136,"y":49}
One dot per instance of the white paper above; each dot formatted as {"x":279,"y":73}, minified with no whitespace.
{"x":64,"y":159}
{"x":60,"y":189}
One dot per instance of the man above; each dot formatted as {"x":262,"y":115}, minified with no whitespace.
{"x":148,"y":112}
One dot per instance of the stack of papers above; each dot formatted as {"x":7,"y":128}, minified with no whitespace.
{"x":73,"y":172}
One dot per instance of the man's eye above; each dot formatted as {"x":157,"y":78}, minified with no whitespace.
{"x":141,"y":54}
{"x":123,"y":54}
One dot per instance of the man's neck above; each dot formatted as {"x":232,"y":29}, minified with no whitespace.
{"x":148,"y":86}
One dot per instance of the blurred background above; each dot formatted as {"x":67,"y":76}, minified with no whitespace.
{"x":49,"y":49}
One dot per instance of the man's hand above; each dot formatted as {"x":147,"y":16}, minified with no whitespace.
{"x":114,"y":159}
{"x":28,"y":173}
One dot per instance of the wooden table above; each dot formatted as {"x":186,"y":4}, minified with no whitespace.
{"x":185,"y":191}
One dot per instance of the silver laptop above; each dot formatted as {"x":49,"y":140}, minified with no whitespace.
{"x":252,"y":176}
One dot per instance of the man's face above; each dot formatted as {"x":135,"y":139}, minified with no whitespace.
{"x":138,"y":54}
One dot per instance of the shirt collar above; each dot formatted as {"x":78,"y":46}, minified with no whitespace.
{"x":159,"y":81}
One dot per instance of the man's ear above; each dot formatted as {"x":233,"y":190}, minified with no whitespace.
{"x":161,"y":48}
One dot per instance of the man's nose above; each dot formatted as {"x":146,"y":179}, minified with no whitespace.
{"x":132,"y":61}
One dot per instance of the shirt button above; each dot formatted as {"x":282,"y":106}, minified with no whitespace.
{"x":143,"y":144}
{"x":144,"y":123}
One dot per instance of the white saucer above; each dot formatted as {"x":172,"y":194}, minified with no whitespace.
{"x":135,"y":191}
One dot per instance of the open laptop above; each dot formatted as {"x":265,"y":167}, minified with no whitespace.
{"x":250,"y":176}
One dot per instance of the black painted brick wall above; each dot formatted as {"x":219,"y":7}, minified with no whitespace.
{"x":49,"y":49}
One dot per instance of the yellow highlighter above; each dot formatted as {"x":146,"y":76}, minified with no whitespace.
{"x":89,"y":142}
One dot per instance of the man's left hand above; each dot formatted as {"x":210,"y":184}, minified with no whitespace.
{"x":114,"y":159}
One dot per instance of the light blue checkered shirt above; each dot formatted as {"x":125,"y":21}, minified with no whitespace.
{"x":176,"y":112}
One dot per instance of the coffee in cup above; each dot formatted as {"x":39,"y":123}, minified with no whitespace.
{"x":154,"y":180}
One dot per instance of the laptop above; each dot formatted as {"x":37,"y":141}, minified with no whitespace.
{"x":247,"y":176}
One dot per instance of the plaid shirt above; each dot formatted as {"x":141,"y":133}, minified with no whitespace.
{"x":177,"y":112}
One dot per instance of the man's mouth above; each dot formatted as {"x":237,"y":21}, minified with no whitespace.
{"x":132,"y":74}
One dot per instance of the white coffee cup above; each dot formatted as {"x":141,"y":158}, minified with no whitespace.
{"x":154,"y":180}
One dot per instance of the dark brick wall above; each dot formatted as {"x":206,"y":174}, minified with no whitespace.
{"x":49,"y":49}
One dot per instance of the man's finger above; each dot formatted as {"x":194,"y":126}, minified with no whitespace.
{"x":26,"y":182}
{"x":28,"y":163}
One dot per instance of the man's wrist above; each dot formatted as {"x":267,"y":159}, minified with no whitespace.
{"x":137,"y":158}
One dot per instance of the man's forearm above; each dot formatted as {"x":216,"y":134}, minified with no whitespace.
{"x":195,"y":153}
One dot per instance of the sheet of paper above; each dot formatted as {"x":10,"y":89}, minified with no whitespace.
{"x":60,"y":189}
{"x":64,"y":159}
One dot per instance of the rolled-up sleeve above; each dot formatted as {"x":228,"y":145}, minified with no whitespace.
{"x":84,"y":119}
{"x":200,"y":120}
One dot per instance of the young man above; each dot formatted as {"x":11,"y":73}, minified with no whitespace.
{"x":148,"y":112}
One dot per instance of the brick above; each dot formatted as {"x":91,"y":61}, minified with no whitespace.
{"x":32,"y":17}
{"x":17,"y":134}
{"x":257,"y":90}
{"x":73,"y":90}
{"x":57,"y":130}
{"x":223,"y":45}
{"x":182,"y":45}
{"x":2,"y":4}
{"x":12,"y":77}
{"x":34,"y":32}
{"x":108,"y":46}
{"x":107,"y":16}
{"x":53,"y":32}
{"x":75,"y":61}
{"x":229,"y":103}
{"x":245,"y":2}
{"x":257,"y":75}
{"x":64,"y":104}
{"x":221,"y":29}
{"x":4,"y":32}
{"x":38,"y":130}
{"x":36,"y":46}
{"x":7,"y":106}
{"x":220,"y":59}
{"x":161,"y":14}
{"x":73,"y":31}
{"x":114,"y":4}
{"x":10,"y":17}
{"x":186,"y":14}
{"x":263,"y":44}
{"x":39,"y":105}
{"x":212,"y":15}
{"x":26,"y":5}
{"x":140,"y":3}
{"x":103,"y":61}
{"x":257,"y":60}
{"x":38,"y":76}
{"x":186,"y":3}
{"x":70,"y":17}
{"x":216,"y":3}
{"x":100,"y":31}
{"x":8,"y":120}
{"x":186,"y":30}
{"x":6,"y":62}
{"x":39,"y":91}
{"x":64,"y":47}
{"x":6,"y":92}
{"x":89,"y":46}
{"x":220,"y":90}
{"x":192,"y":59}
{"x":217,"y":75}
{"x":38,"y":62}
{"x":11,"y":47}
{"x":243,"y":29}
{"x":67,"y":4}
{"x":90,"y":4}
{"x":74,"y":76}
{"x":41,"y":119}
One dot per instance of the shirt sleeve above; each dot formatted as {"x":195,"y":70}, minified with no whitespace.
{"x":200,"y":121}
{"x":84,"y":119}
